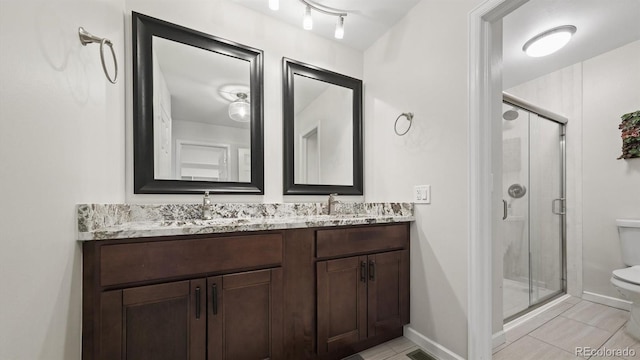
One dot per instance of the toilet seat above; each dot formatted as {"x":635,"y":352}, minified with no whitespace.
{"x":630,"y":275}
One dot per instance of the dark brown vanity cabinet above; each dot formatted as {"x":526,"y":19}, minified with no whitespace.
{"x":361,"y":297}
{"x":211,"y":318}
{"x":295,"y":294}
{"x":246,"y":320}
{"x":153,"y":322}
{"x":236,"y":315}
{"x":342,"y":302}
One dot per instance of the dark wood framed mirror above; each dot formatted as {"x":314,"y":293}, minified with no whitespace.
{"x":198,"y":112}
{"x":322,"y":131}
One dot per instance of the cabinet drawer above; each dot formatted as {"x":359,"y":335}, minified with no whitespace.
{"x":128,"y":263}
{"x":344,"y":242}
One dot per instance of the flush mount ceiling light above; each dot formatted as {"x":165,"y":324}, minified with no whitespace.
{"x":549,"y":41}
{"x":307,"y":20}
{"x":239,"y":109}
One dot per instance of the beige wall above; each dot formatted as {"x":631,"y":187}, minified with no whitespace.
{"x":416,"y":67}
{"x":61,"y":143}
{"x":611,"y":188}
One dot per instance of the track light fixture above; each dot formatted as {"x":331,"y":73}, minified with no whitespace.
{"x":307,"y":20}
{"x":340,"y":28}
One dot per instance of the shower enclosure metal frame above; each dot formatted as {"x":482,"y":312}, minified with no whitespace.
{"x":551,"y":116}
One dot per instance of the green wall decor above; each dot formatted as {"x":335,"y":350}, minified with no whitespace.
{"x":630,"y":127}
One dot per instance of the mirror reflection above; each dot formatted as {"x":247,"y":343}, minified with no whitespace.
{"x":201,"y":114}
{"x":197,"y":111}
{"x":323,"y":132}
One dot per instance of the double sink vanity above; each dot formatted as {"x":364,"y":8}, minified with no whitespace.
{"x":292,"y":281}
{"x":258,"y":281}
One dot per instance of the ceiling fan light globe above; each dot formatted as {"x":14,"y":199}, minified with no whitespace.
{"x":240,"y":110}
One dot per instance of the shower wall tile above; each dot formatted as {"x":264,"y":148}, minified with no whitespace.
{"x":512,"y":153}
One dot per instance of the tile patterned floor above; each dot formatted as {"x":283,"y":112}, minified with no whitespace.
{"x":551,"y":335}
{"x":557,"y":332}
{"x":395,"y":349}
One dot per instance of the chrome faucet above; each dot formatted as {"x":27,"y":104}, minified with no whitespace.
{"x":332,"y":203}
{"x":206,"y":207}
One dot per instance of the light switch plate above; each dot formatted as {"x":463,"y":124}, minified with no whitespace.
{"x":422,"y":194}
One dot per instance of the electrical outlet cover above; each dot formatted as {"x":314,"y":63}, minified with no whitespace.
{"x":422,"y":194}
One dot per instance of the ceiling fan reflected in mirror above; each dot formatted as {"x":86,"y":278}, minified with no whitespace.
{"x":239,"y":102}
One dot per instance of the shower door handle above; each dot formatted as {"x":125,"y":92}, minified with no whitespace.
{"x":504,"y":209}
{"x":562,"y":211}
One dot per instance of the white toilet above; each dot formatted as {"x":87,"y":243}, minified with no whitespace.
{"x":627,"y":280}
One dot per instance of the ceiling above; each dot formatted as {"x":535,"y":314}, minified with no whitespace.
{"x":603,"y":25}
{"x":365,"y":22}
{"x":202,"y":83}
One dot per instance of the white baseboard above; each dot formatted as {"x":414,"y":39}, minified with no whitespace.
{"x":430,"y":346}
{"x":607,"y":300}
{"x":498,"y":339}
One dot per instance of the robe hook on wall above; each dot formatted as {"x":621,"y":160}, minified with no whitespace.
{"x":88,"y":38}
{"x":409,"y":117}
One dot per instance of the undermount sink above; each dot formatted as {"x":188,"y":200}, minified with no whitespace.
{"x":258,"y":220}
{"x":337,"y":216}
{"x":210,"y":222}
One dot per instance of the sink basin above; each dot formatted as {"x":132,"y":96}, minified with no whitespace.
{"x":201,"y":222}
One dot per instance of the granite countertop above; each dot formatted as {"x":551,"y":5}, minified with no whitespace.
{"x":124,"y":221}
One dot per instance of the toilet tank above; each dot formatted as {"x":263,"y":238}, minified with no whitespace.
{"x":629,"y":233}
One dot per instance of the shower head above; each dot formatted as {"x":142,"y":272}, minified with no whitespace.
{"x":510,"y":115}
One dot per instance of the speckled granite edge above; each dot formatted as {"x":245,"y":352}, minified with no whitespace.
{"x":118,"y":221}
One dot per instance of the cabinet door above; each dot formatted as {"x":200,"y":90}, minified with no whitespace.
{"x":388,"y":291}
{"x":342,"y":302}
{"x":154,"y":322}
{"x":245,"y":316}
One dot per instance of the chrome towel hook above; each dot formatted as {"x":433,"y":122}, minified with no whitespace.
{"x":88,"y":38}
{"x":409,"y":117}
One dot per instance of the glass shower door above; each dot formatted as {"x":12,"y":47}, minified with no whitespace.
{"x":546,"y":208}
{"x":534,"y":207}
{"x":515,"y":180}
